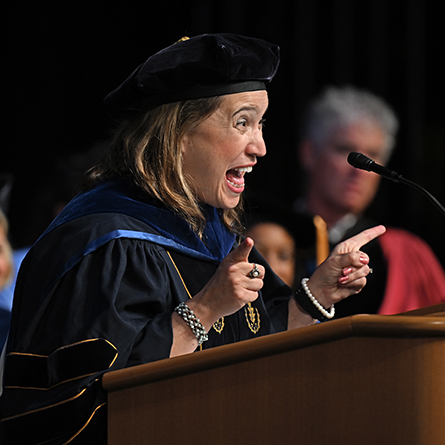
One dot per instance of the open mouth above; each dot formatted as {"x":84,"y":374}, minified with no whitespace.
{"x":235,"y":176}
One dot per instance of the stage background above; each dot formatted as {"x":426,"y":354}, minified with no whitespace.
{"x":61,"y":58}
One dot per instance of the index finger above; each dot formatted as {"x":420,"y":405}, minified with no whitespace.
{"x":359,"y":240}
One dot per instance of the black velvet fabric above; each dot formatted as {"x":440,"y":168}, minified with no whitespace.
{"x":203,"y":66}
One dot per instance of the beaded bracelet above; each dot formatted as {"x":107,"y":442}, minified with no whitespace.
{"x":193,"y":322}
{"x":312,"y":307}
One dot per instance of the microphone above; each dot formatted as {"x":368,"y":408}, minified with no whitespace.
{"x":359,"y":160}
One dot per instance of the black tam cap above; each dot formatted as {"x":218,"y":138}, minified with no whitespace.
{"x":203,"y":66}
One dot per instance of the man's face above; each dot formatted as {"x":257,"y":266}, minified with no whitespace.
{"x":337,"y":184}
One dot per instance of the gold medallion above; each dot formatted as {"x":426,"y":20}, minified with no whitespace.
{"x":252,"y":317}
{"x":219,"y":325}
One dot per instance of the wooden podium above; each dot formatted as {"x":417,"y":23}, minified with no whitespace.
{"x":365,"y":379}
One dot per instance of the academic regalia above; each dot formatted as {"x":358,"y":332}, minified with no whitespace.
{"x":97,"y":290}
{"x":96,"y":293}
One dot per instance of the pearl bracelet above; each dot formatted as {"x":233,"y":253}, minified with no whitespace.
{"x":193,"y":322}
{"x":315,"y":302}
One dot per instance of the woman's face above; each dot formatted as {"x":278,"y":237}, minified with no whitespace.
{"x":225,"y":146}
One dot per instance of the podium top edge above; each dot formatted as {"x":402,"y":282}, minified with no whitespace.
{"x":382,"y":326}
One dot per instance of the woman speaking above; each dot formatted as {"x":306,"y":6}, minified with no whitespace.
{"x":149,"y":261}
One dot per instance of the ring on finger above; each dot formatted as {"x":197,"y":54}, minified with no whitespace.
{"x":255,"y":272}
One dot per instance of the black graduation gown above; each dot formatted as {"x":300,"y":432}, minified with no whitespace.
{"x":96,"y":293}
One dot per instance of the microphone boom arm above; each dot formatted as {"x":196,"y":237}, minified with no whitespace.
{"x":422,"y":190}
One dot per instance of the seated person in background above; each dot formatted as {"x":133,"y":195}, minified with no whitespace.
{"x":6,"y":272}
{"x":407,"y":275}
{"x":276,"y":244}
{"x":10,"y":258}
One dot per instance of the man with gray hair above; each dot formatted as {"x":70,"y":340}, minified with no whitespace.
{"x":407,"y":275}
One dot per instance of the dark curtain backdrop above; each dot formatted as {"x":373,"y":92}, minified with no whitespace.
{"x":61,"y":58}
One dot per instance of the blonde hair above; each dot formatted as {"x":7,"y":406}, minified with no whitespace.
{"x":147,"y":148}
{"x":6,"y":251}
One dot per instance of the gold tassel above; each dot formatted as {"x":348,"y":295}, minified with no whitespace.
{"x":322,"y":239}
